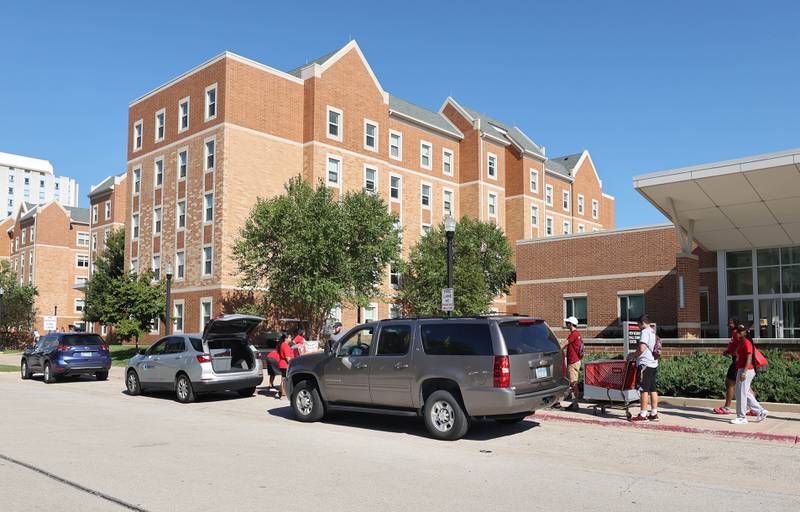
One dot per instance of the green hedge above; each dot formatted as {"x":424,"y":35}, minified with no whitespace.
{"x":702,"y":375}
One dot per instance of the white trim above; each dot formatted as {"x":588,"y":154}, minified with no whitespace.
{"x":581,"y":204}
{"x":531,"y":172}
{"x":156,"y":161}
{"x":107,"y":209}
{"x":538,"y":216}
{"x":429,"y":206}
{"x":75,"y":305}
{"x":399,"y":198}
{"x":639,"y":292}
{"x":595,"y":209}
{"x":566,"y":197}
{"x":399,"y":156}
{"x":482,"y":183}
{"x":138,"y":227}
{"x":489,"y":206}
{"x":156,"y":138}
{"x":210,"y":301}
{"x":203,"y":274}
{"x":608,"y":196}
{"x":339,"y":125}
{"x":375,"y":148}
{"x":461,"y":110}
{"x":205,"y":208}
{"x":549,"y":225}
{"x":140,"y":124}
{"x":575,"y":295}
{"x":206,"y":104}
{"x":173,"y":317}
{"x":160,"y":220}
{"x":179,"y":228}
{"x":206,"y":154}
{"x":452,"y":210}
{"x":567,"y":227}
{"x":489,"y":158}
{"x":175,"y":262}
{"x":77,"y":238}
{"x":438,"y":131}
{"x":375,"y":182}
{"x":603,"y":277}
{"x":184,"y":140}
{"x":548,"y":192}
{"x":423,"y":143}
{"x":318,"y":70}
{"x":178,"y":152}
{"x":339,"y":172}
{"x":188,"y":101}
{"x":602,"y":233}
{"x":78,"y":258}
{"x":446,"y":151}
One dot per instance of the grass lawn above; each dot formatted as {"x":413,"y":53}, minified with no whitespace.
{"x":121,"y":353}
{"x":10,"y":352}
{"x":8,"y":368}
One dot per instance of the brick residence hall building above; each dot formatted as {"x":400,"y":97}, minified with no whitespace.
{"x":204,"y":146}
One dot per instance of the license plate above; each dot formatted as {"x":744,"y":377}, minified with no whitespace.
{"x":86,"y":354}
{"x":541,"y":372}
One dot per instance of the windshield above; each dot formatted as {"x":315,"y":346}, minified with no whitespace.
{"x":526,"y":337}
{"x":74,"y":340}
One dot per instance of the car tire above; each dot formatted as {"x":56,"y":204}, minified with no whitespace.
{"x":306,"y":402}
{"x":101,"y":375}
{"x":183,"y":389}
{"x":133,"y":384}
{"x":49,"y":378}
{"x":244,"y":393}
{"x":445,"y":417}
{"x":24,"y":370}
{"x":510,"y":421}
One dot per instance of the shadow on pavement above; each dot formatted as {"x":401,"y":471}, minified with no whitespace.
{"x":221,"y":396}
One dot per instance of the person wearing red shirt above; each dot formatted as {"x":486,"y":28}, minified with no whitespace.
{"x":286,"y":354}
{"x":299,"y":342}
{"x":273,"y":360}
{"x":745,"y":372}
{"x":574,"y":356}
{"x":730,"y":377}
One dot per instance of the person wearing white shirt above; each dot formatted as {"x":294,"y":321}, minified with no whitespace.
{"x":646,"y":370}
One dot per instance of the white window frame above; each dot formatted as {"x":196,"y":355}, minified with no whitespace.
{"x":548,"y":226}
{"x":210,"y":302}
{"x":94,"y":241}
{"x":107,"y":210}
{"x":175,"y":304}
{"x":422,"y":195}
{"x":180,"y":276}
{"x":80,"y":257}
{"x":489,"y":205}
{"x":548,"y":195}
{"x":208,"y":104}
{"x":137,"y":181}
{"x":156,"y":184}
{"x":422,"y":144}
{"x":163,"y":126}
{"x":212,"y":154}
{"x":135,"y":226}
{"x":535,"y":216}
{"x":566,"y":200}
{"x":595,"y":209}
{"x":567,"y":227}
{"x":95,"y":214}
{"x":339,"y":126}
{"x":156,"y":269}
{"x":206,"y":208}
{"x":376,"y":136}
{"x":158,"y":217}
{"x":140,"y":125}
{"x":135,"y":265}
{"x":373,"y":168}
{"x":187,"y":101}
{"x":445,"y":210}
{"x":445,"y":153}
{"x":571,"y":298}
{"x":203,"y":260}
{"x":178,"y":216}
{"x":339,"y":172}
{"x":399,"y":135}
{"x":491,"y":158}
{"x":581,"y":204}
{"x":399,"y":198}
{"x":581,"y":228}
{"x":178,"y":162}
{"x":82,"y":307}
{"x":534,"y":181}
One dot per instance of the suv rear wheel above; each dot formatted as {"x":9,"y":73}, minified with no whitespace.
{"x":306,"y":402}
{"x":23,"y":369}
{"x":183,"y":389}
{"x":444,"y":416}
{"x":132,"y":383}
{"x":101,"y":375}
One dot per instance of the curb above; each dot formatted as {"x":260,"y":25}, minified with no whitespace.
{"x":760,"y":436}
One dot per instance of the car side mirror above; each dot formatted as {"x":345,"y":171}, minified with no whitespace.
{"x":141,"y":351}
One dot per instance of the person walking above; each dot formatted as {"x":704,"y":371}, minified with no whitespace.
{"x":730,"y":377}
{"x":745,"y":373}
{"x":286,"y":354}
{"x":337,"y":332}
{"x":646,"y":370}
{"x":574,"y":357}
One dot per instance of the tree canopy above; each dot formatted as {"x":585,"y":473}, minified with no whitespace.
{"x":482,"y":269}
{"x":18,"y":300}
{"x":109,"y":266}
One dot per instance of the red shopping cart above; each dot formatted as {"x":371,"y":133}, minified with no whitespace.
{"x":610,"y":382}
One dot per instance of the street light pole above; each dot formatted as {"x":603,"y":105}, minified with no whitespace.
{"x":2,"y":293}
{"x":450,"y":231}
{"x":167,"y":322}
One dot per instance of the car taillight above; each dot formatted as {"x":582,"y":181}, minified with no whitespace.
{"x":63,"y":348}
{"x":204,"y":358}
{"x":103,"y":347}
{"x":502,"y":372}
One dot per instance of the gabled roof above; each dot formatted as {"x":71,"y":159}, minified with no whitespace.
{"x":407,"y":110}
{"x":563,"y":165}
{"x":106,"y":185}
{"x":320,"y":61}
{"x":30,"y":212}
{"x":78,"y":215}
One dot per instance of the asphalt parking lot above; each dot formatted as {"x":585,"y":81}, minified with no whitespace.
{"x":80,"y":445}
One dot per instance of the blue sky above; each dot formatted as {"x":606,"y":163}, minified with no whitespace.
{"x":644,"y":86}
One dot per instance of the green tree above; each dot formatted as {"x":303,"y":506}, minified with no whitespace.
{"x":312,"y":253}
{"x":482,"y":269}
{"x":138,"y":300}
{"x":109,"y":266}
{"x":18,"y":300}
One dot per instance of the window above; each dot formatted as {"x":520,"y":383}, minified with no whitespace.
{"x":548,"y":195}
{"x":395,"y":145}
{"x":81,"y":280}
{"x":357,"y":344}
{"x":106,"y":232}
{"x":180,"y":215}
{"x":334,"y":171}
{"x":565,"y":200}
{"x":581,"y":204}
{"x":183,"y":161}
{"x":535,"y":216}
{"x":183,"y":115}
{"x":426,"y":196}
{"x":24,"y":231}
{"x":137,"y":135}
{"x":740,"y":272}
{"x":371,"y":313}
{"x":370,"y":180}
{"x":205,"y":312}
{"x":595,"y":208}
{"x":581,"y":228}
{"x":135,"y":265}
{"x":160,"y":120}
{"x":528,"y":338}
{"x":334,"y":123}
{"x":157,"y":267}
{"x":425,"y":149}
{"x":211,"y":148}
{"x":207,"y":261}
{"x":94,"y":241}
{"x":457,"y":339}
{"x":159,"y":172}
{"x":177,"y":317}
{"x":631,"y":307}
{"x":135,"y":226}
{"x":33,"y":233}
{"x":426,"y":228}
{"x":82,"y":261}
{"x":209,"y":207}
{"x":576,"y":306}
{"x":94,"y":214}
{"x":567,"y":227}
{"x":447,"y":201}
{"x":548,"y":226}
{"x":394,"y":340}
{"x":180,"y":265}
{"x":492,"y":166}
{"x":137,"y":181}
{"x":492,"y":205}
{"x":80,"y":305}
{"x":108,"y":210}
{"x":394,"y":277}
{"x":395,"y":311}
{"x":157,"y":221}
{"x":370,"y":135}
{"x":534,"y":181}
{"x":394,"y":188}
{"x":705,"y":310}
{"x":211,"y":102}
{"x":447,"y":162}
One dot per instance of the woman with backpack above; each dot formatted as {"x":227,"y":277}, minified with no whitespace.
{"x":747,"y":357}
{"x":730,"y":377}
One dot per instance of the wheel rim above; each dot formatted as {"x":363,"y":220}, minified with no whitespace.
{"x":443,"y":416}
{"x":47,"y":372}
{"x":131,"y":382}
{"x":303,"y":402}
{"x":183,"y":388}
{"x":24,"y":369}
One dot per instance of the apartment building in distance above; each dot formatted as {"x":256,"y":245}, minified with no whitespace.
{"x":49,"y":249}
{"x":108,"y":209}
{"x":31,"y":180}
{"x":205,"y":145}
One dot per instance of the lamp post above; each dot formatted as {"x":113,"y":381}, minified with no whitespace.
{"x":167,"y":320}
{"x":2,"y":293}
{"x":450,"y":231}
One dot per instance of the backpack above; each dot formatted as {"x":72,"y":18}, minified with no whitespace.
{"x":657,"y":348}
{"x":760,"y":363}
{"x":581,"y":350}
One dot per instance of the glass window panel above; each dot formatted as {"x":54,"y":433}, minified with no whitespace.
{"x":741,"y":309}
{"x":740,"y":282}
{"x":790,"y":255}
{"x":739,"y":259}
{"x":791,"y":279}
{"x":704,"y":309}
{"x":767,"y":257}
{"x":769,"y":280}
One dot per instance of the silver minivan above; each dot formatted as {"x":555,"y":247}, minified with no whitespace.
{"x":222,"y":358}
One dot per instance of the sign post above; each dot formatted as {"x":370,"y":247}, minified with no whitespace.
{"x":448,"y":299}
{"x":632,"y":335}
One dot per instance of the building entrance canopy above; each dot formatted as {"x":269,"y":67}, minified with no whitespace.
{"x":748,"y":203}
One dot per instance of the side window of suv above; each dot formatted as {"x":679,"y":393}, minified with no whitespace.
{"x":457,"y":339}
{"x":158,"y":348}
{"x":174,"y":346}
{"x":394,"y":340}
{"x":357,"y":344}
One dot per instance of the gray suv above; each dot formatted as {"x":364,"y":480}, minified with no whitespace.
{"x":447,"y":370}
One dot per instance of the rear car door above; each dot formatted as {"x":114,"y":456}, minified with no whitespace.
{"x":533,"y":352}
{"x":346,"y":376}
{"x":390,"y":372}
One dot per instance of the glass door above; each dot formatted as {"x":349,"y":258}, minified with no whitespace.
{"x":791,"y":318}
{"x":768,"y":318}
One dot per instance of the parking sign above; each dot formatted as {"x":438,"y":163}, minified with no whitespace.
{"x":448,"y":300}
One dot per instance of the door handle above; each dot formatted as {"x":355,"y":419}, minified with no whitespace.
{"x":360,"y":366}
{"x":401,"y":366}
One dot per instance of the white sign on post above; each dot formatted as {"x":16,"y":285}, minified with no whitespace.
{"x":448,"y":300}
{"x":50,"y":323}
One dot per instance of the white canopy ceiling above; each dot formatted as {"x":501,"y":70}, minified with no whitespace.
{"x":751,"y":202}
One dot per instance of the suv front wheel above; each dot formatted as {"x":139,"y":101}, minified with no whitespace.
{"x":306,"y":402}
{"x":444,"y":416}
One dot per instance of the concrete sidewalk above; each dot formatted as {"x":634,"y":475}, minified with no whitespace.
{"x":779,"y":426}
